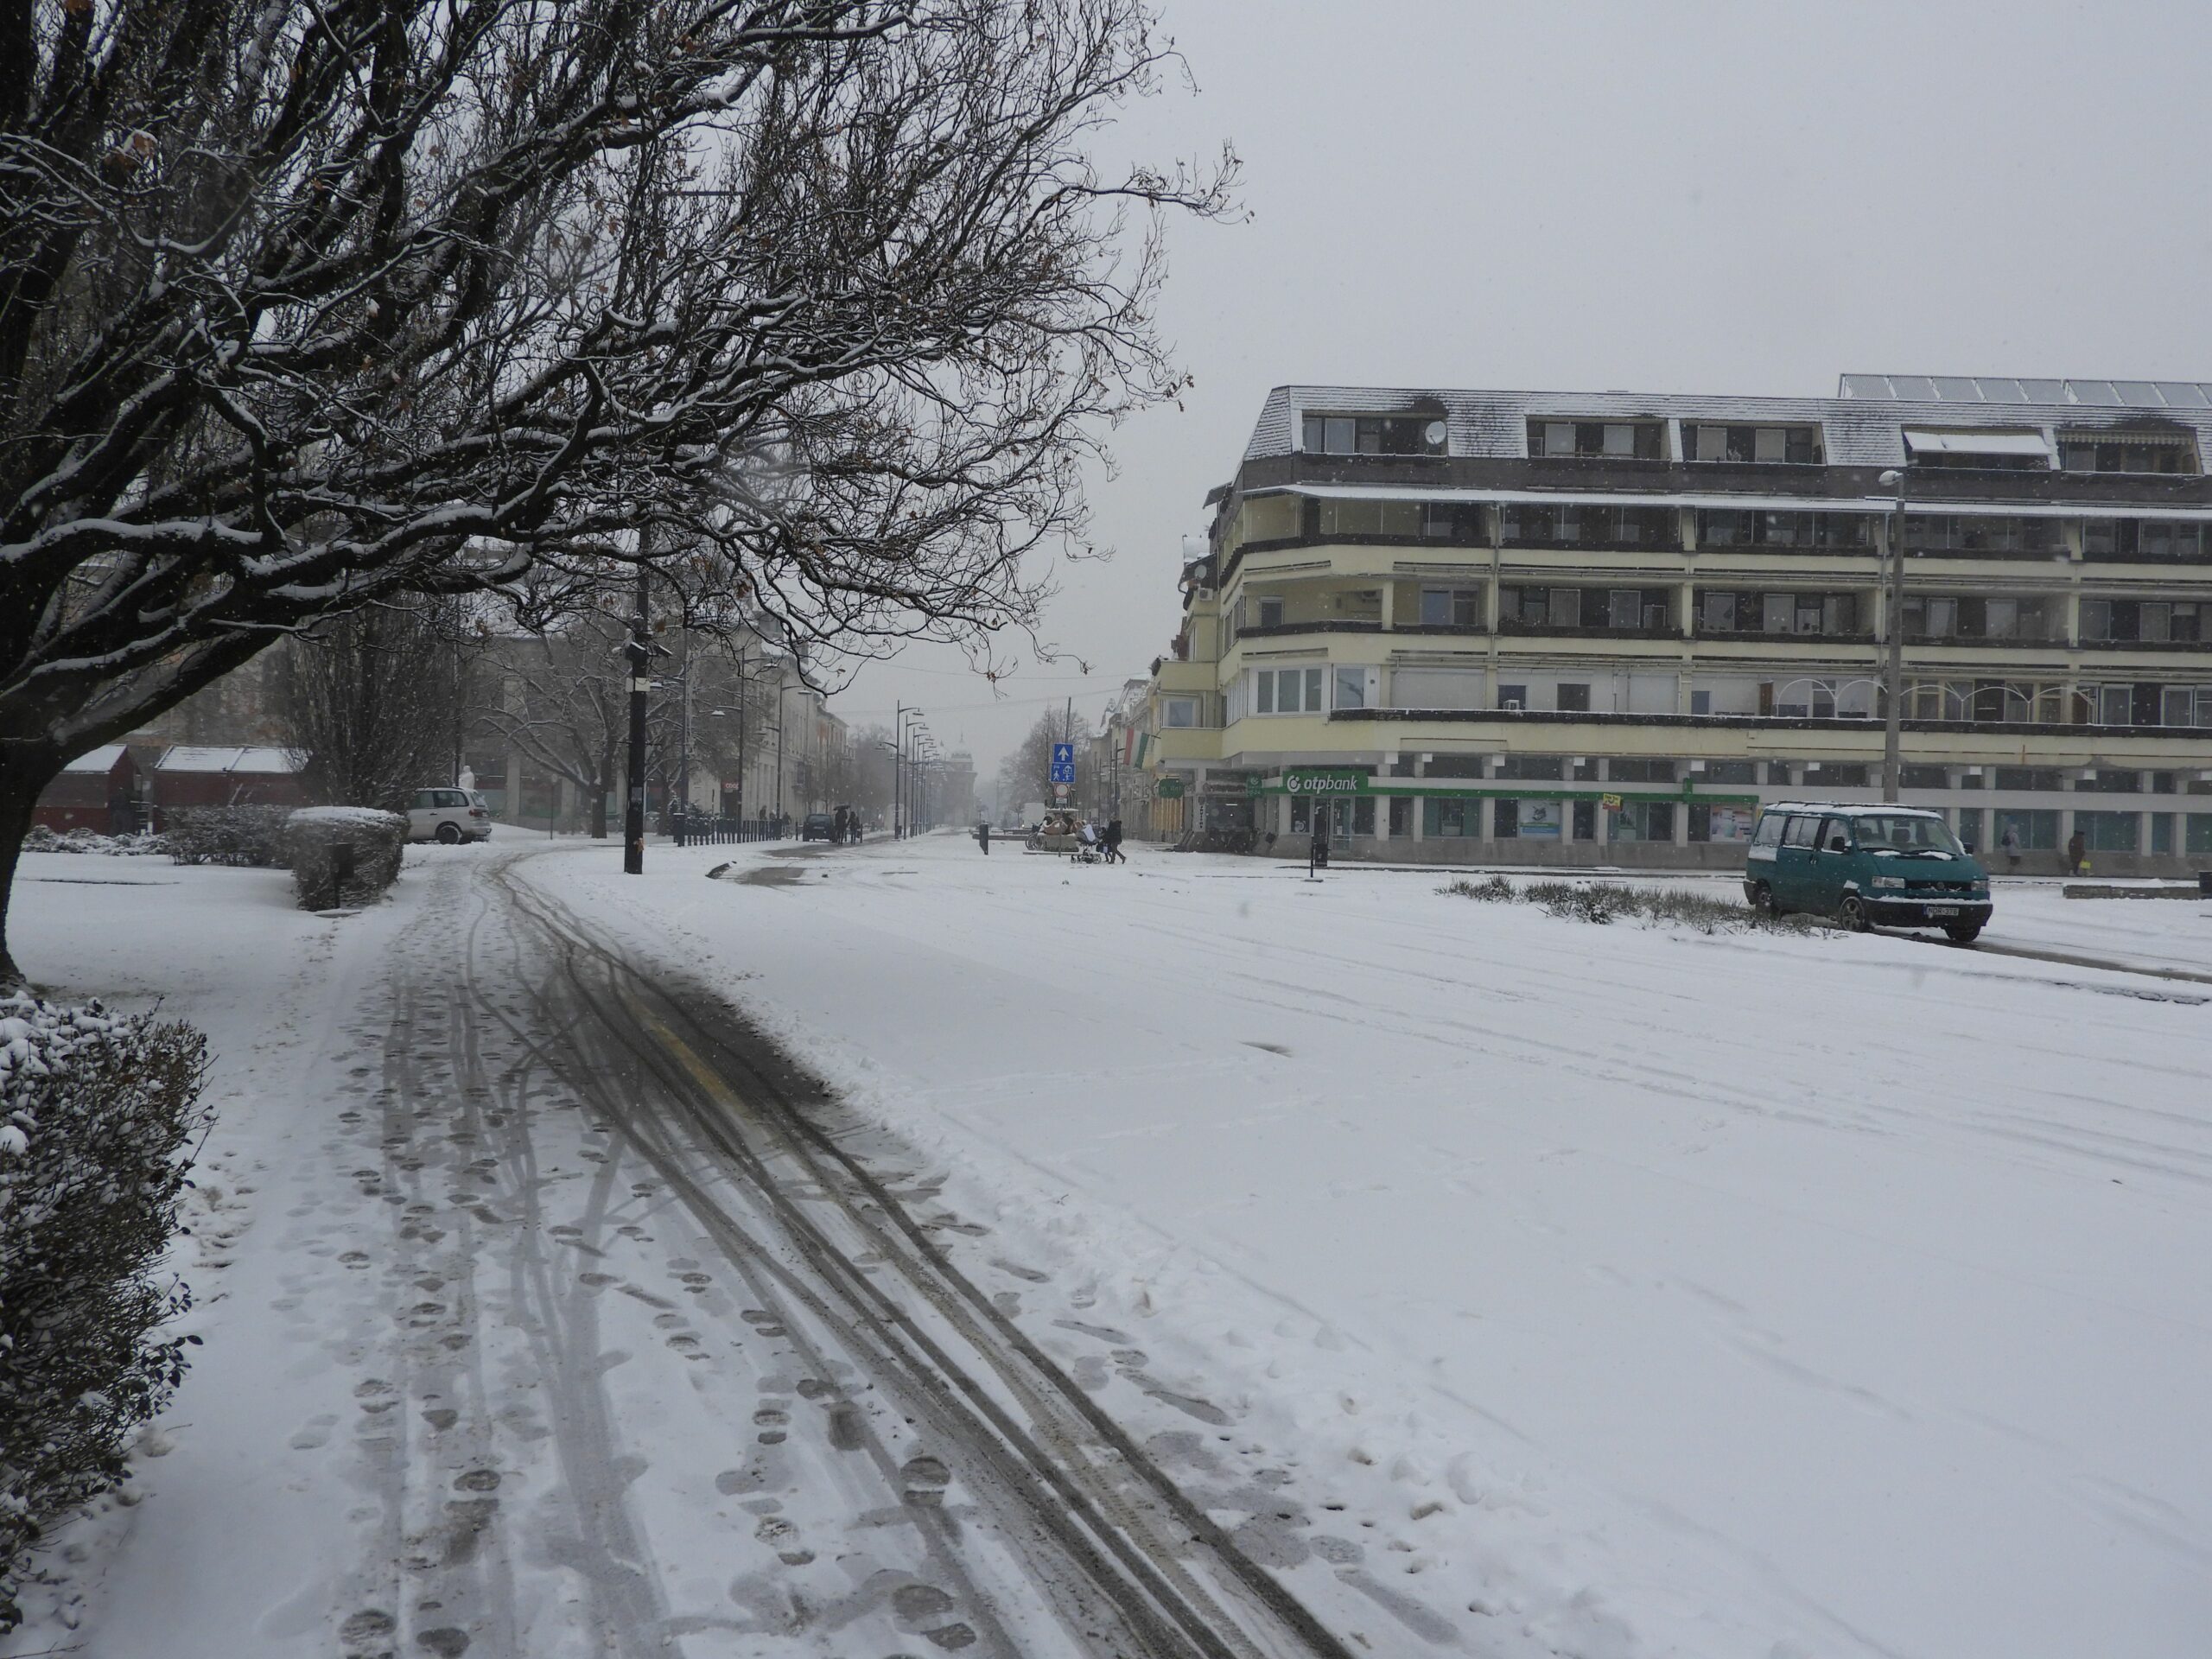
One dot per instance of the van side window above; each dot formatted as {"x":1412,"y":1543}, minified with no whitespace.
{"x":1836,"y":835}
{"x":1770,"y":831}
{"x":422,"y":798}
{"x":1801,"y":832}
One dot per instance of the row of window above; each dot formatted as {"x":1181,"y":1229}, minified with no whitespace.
{"x":1791,"y":612}
{"x":2022,"y":830}
{"x":1935,"y":618}
{"x":1319,"y":687}
{"x":1462,"y":523}
{"x":2012,"y":829}
{"x":2151,"y":620}
{"x":2044,"y":703}
{"x":1584,"y":607}
{"x":1965,"y":617}
{"x":1986,"y":450}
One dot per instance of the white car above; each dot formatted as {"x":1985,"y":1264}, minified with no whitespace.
{"x":452,"y":816}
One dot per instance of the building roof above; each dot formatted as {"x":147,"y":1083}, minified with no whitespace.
{"x":100,"y":759}
{"x":1861,"y":428}
{"x":188,"y":757}
{"x":2003,"y":388}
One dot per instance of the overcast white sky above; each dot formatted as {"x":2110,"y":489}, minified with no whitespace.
{"x":1741,"y":198}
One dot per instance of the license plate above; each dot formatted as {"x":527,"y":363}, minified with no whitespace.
{"x":1942,"y":910}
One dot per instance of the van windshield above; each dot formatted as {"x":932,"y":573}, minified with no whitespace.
{"x":1883,"y":832}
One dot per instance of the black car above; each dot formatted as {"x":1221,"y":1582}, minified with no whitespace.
{"x":817,"y":826}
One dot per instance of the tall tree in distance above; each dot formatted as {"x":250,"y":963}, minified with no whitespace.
{"x":306,"y":306}
{"x":374,"y":699}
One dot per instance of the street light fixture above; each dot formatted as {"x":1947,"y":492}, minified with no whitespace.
{"x":1893,"y":658}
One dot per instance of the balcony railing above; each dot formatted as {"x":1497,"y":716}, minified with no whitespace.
{"x":1515,"y":626}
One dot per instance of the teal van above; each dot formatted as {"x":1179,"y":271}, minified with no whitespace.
{"x":1895,"y":866}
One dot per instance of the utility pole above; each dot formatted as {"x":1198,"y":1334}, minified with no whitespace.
{"x":1894,"y":657}
{"x":640,"y":655}
{"x":898,"y":774}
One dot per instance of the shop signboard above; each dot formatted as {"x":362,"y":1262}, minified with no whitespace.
{"x":1611,"y":802}
{"x":1306,"y":780}
{"x":1168,"y":788}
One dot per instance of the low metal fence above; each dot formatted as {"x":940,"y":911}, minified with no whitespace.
{"x":698,"y":829}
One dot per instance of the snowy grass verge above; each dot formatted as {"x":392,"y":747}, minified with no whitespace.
{"x":1602,"y":903}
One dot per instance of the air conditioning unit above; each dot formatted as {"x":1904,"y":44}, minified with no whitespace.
{"x":1513,"y":703}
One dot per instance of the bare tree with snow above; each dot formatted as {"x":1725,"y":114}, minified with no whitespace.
{"x":302,"y":307}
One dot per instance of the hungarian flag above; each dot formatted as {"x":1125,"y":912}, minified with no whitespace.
{"x":1135,"y":746}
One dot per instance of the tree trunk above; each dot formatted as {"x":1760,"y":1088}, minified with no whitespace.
{"x":599,"y":793}
{"x":25,"y":771}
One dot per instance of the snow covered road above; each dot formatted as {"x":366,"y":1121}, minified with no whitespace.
{"x":1646,"y":1292}
{"x":1189,"y":1245}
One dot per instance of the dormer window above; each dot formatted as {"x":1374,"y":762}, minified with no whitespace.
{"x":1600,"y":440}
{"x":2127,"y":452}
{"x":1790,"y":445}
{"x":1374,"y":435}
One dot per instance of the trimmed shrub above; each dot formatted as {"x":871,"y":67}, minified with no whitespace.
{"x":344,"y":854}
{"x":244,"y":837}
{"x":97,"y":1113}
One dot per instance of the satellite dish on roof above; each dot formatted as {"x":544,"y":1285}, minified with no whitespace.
{"x":1433,"y":432}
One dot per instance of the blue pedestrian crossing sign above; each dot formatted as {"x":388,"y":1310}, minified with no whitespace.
{"x":1064,"y":763}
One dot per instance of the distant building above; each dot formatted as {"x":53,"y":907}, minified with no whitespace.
{"x":188,"y":776}
{"x":957,"y":802}
{"x":1583,"y":628}
{"x":98,"y":791}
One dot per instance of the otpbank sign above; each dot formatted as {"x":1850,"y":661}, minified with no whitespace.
{"x":1309,"y":781}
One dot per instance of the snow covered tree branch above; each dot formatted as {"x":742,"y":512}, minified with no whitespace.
{"x":303,"y":307}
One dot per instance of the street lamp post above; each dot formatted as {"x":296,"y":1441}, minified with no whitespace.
{"x":1894,"y":657}
{"x":902,"y":778}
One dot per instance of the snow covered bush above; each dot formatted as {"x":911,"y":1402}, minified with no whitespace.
{"x":1606,"y":902}
{"x":97,"y":1113}
{"x":143,"y":844}
{"x":246,"y":837}
{"x":344,"y":854}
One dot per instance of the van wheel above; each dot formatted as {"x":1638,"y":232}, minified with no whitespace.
{"x":1852,"y":912}
{"x":449,"y":832}
{"x":1763,"y":901}
{"x":1963,"y":933}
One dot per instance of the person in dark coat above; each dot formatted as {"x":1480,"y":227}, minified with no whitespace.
{"x":1113,"y":841}
{"x":984,"y":835}
{"x":2077,"y":853}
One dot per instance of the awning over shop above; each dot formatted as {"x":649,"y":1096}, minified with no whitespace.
{"x":1931,"y":440}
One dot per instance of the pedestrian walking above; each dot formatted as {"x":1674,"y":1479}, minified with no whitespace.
{"x":984,"y":835}
{"x":1113,"y":854}
{"x":2010,"y":841}
{"x":2077,"y":853}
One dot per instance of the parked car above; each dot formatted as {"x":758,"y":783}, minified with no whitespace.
{"x":1894,"y":866}
{"x":452,"y":816}
{"x":817,"y":826}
